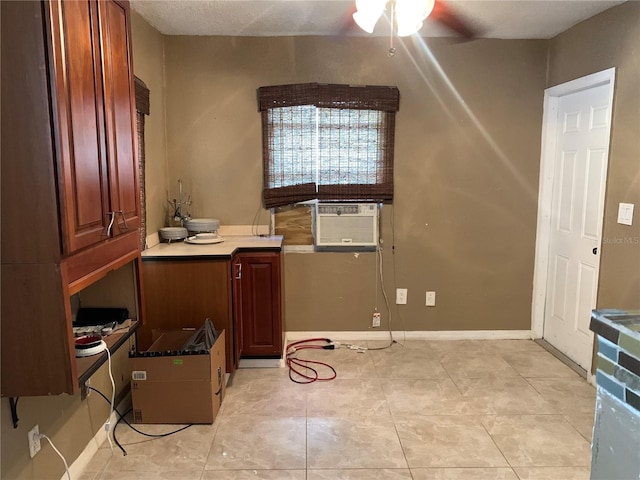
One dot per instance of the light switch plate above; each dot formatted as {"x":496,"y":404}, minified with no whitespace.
{"x":625,"y":213}
{"x":401,"y":296}
{"x":430,"y":299}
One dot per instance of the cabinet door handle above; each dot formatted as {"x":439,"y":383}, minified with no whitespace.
{"x":124,"y":220}
{"x":110,"y":226}
{"x":238,"y":275}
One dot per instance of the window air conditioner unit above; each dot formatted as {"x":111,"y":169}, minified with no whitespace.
{"x":346,"y":225}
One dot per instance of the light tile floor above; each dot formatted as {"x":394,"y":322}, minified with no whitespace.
{"x":425,"y":410}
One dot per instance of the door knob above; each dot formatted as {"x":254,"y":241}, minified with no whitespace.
{"x":595,"y":251}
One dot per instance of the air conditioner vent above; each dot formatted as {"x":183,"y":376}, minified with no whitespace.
{"x":346,"y":225}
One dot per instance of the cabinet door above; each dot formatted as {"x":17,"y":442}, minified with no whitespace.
{"x":77,"y":106}
{"x":119,"y":114}
{"x":238,"y":337}
{"x":261,"y":305}
{"x":182,"y":293}
{"x":94,"y":107}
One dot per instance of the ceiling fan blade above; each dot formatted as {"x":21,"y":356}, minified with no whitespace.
{"x":348,"y":25}
{"x":448,"y":17}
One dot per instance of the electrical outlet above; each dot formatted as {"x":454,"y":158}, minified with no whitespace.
{"x":430,"y":300}
{"x":34,"y":441}
{"x":84,"y":390}
{"x":401,"y":296}
{"x":376,"y":319}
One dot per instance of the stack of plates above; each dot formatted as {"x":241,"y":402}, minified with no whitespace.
{"x":173,"y":233}
{"x":200,"y":225}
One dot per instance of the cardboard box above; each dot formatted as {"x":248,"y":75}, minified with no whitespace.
{"x":170,"y":387}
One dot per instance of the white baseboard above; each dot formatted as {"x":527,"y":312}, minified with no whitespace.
{"x":77,"y":468}
{"x":384,"y":335}
{"x":416,"y":335}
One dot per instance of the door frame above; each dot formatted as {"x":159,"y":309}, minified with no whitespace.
{"x":550,"y":124}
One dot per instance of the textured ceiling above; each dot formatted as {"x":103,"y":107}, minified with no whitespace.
{"x":493,"y":18}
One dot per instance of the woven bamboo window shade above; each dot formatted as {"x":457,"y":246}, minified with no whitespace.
{"x":327,"y":142}
{"x":142,"y":109}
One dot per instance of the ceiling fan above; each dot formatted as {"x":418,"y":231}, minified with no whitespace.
{"x":407,"y":16}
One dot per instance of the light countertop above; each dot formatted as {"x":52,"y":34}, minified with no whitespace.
{"x":226,"y":249}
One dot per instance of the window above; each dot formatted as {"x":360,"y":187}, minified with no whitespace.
{"x":327,"y":142}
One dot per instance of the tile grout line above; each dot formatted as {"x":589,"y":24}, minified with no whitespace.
{"x":576,"y":429}
{"x":494,"y":441}
{"x":404,"y":453}
{"x":498,"y":447}
{"x":393,"y":418}
{"x":451,"y":378}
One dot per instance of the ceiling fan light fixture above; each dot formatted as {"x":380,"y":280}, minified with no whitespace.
{"x":368,"y":13}
{"x":410,"y":14}
{"x":408,"y":27}
{"x":366,"y":21}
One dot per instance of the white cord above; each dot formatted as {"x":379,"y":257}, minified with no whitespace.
{"x":375,"y":274}
{"x":375,"y":268}
{"x":107,"y":425}
{"x":255,"y":227}
{"x":393,"y":260}
{"x":66,"y":467}
{"x":359,"y":348}
{"x":386,"y":299}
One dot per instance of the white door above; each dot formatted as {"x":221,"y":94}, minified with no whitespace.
{"x":580,"y":145}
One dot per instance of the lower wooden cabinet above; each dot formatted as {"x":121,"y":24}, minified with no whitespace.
{"x":258,"y":303}
{"x":241,"y":295}
{"x":181,"y":292}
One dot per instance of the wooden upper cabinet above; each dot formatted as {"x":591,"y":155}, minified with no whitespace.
{"x":120,"y":116}
{"x":56,"y":167}
{"x":92,"y":90}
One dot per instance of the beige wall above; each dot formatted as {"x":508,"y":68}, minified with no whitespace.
{"x":612,"y":39}
{"x":148,"y":65}
{"x":70,"y":422}
{"x":213,"y":127}
{"x":466,"y":174}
